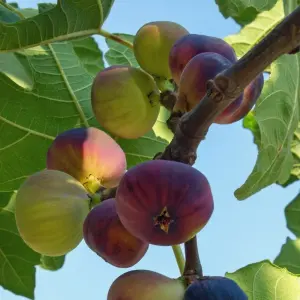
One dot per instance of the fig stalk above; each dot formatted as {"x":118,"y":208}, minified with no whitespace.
{"x":115,"y":38}
{"x":193,"y":267}
{"x":179,"y":258}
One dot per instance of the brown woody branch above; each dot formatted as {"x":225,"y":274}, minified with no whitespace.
{"x":227,"y":86}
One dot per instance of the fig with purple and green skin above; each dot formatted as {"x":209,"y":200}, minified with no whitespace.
{"x":50,"y":209}
{"x":164,"y":202}
{"x":194,"y":78}
{"x":152,"y":45}
{"x":125,"y":101}
{"x":104,"y":233}
{"x":191,"y":45}
{"x":89,"y":155}
{"x":146,"y":285}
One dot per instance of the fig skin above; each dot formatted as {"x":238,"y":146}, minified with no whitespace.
{"x":188,"y":46}
{"x":50,"y":210}
{"x":89,"y":155}
{"x":125,"y":101}
{"x":194,"y":78}
{"x":104,"y":233}
{"x":164,"y":202}
{"x":215,"y":288}
{"x":251,"y":94}
{"x":152,"y":45}
{"x":146,"y":285}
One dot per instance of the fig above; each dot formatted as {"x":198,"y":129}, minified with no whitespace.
{"x":194,"y":78}
{"x":152,"y":45}
{"x":188,"y":46}
{"x":215,"y":288}
{"x":251,"y":94}
{"x":164,"y":202}
{"x":50,"y":210}
{"x":104,"y":233}
{"x":125,"y":101}
{"x":89,"y":155}
{"x":146,"y":285}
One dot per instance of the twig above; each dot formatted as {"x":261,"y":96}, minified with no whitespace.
{"x":227,"y":86}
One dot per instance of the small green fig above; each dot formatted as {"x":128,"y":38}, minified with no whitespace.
{"x":152,"y":45}
{"x":89,"y":155}
{"x":51,"y":207}
{"x":125,"y":101}
{"x":146,"y":285}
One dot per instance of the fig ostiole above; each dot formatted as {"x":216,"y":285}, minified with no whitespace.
{"x":146,"y":285}
{"x":106,"y":236}
{"x":90,"y":155}
{"x":50,"y":209}
{"x":125,"y":101}
{"x":164,"y":202}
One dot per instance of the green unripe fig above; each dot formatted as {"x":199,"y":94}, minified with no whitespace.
{"x":51,"y":207}
{"x":125,"y":101}
{"x":152,"y":45}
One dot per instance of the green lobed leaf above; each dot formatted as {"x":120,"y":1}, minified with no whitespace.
{"x":119,"y":54}
{"x":277,"y":116}
{"x":243,"y":11}
{"x":292,"y":216}
{"x":64,"y":21}
{"x":52,"y":263}
{"x":89,"y":54}
{"x":289,"y":256}
{"x":257,"y":30}
{"x":266,"y":281}
{"x":17,"y":260}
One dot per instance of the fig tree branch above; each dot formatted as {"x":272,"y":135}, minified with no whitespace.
{"x":192,"y":127}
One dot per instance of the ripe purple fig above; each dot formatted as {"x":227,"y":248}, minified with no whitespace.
{"x":104,"y":234}
{"x":164,"y":202}
{"x":250,"y":96}
{"x":89,"y":155}
{"x":194,"y":78}
{"x":215,"y":288}
{"x":190,"y":45}
{"x":145,"y":285}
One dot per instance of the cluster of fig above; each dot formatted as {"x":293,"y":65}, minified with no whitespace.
{"x":157,"y":202}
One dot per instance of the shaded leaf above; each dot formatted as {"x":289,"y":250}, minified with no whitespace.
{"x":119,"y":54}
{"x":89,"y":54}
{"x":243,"y":11}
{"x":66,"y":20}
{"x":52,"y":263}
{"x":264,"y":280}
{"x":17,"y":260}
{"x":292,"y":215}
{"x":289,"y":256}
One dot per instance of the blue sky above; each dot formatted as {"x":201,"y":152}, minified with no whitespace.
{"x":238,"y":233}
